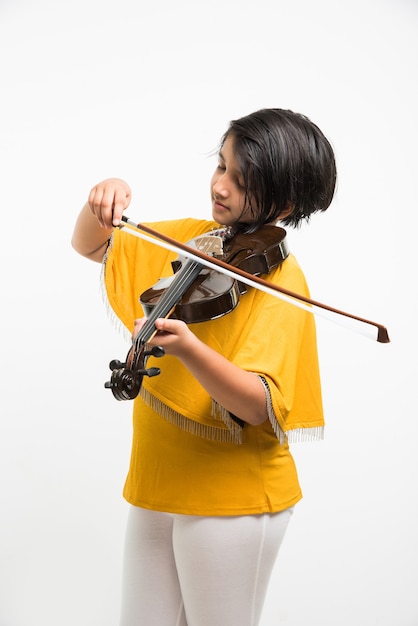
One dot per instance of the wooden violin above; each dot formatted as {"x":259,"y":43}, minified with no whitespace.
{"x":195,"y":293}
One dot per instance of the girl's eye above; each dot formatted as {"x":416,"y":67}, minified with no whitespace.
{"x":239,"y":181}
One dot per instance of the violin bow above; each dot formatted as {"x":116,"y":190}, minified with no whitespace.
{"x":380,"y":332}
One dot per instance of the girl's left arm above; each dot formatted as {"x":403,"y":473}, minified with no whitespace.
{"x":236,"y":390}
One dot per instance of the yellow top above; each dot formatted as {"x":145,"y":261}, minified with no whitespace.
{"x":188,"y":456}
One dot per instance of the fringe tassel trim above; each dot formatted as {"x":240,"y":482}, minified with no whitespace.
{"x":296,"y":435}
{"x":304,"y":435}
{"x":114,"y":320}
{"x":233,"y":427}
{"x":231,"y":434}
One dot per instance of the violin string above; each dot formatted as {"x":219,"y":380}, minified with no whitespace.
{"x":168,"y":299}
{"x":181,"y":281}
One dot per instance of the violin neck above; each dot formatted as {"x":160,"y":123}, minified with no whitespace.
{"x":182,"y":280}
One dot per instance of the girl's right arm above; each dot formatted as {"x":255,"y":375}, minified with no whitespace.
{"x":102,"y":212}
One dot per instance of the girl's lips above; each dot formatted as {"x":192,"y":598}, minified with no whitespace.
{"x":219,"y":206}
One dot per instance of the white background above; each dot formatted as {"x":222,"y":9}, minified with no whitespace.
{"x":140,"y":90}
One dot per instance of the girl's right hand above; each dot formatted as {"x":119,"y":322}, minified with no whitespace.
{"x":108,"y":200}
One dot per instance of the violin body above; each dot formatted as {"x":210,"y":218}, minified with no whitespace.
{"x":211,"y":295}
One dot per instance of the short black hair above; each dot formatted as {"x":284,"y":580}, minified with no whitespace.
{"x":284,"y":158}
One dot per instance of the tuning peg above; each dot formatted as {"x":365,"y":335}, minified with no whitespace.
{"x":116,"y":365}
{"x":152,"y":371}
{"x":155,"y":351}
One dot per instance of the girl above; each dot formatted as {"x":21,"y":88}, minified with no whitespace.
{"x":212,"y":483}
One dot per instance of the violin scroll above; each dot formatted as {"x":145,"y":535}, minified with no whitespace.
{"x":126,"y":378}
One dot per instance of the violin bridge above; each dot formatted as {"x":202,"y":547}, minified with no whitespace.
{"x":209,"y":244}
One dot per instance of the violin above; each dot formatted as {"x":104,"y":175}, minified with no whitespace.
{"x":195,"y":294}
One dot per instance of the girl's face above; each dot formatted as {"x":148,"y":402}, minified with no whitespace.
{"x":227,"y":189}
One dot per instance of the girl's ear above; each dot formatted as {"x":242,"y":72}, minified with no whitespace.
{"x":290,"y":206}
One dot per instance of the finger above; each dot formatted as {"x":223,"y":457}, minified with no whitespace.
{"x":138,"y":324}
{"x":169,"y":325}
{"x":95,"y":198}
{"x":95,"y":202}
{"x":121,"y":202}
{"x":107,"y":205}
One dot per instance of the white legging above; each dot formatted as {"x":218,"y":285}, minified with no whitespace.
{"x":184,"y":570}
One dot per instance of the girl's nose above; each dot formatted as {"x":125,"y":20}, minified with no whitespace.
{"x":220,"y":186}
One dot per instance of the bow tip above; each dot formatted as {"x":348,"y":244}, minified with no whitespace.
{"x":383,"y":335}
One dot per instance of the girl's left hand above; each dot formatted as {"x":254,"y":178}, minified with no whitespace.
{"x":172,"y":335}
{"x":238,"y":391}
